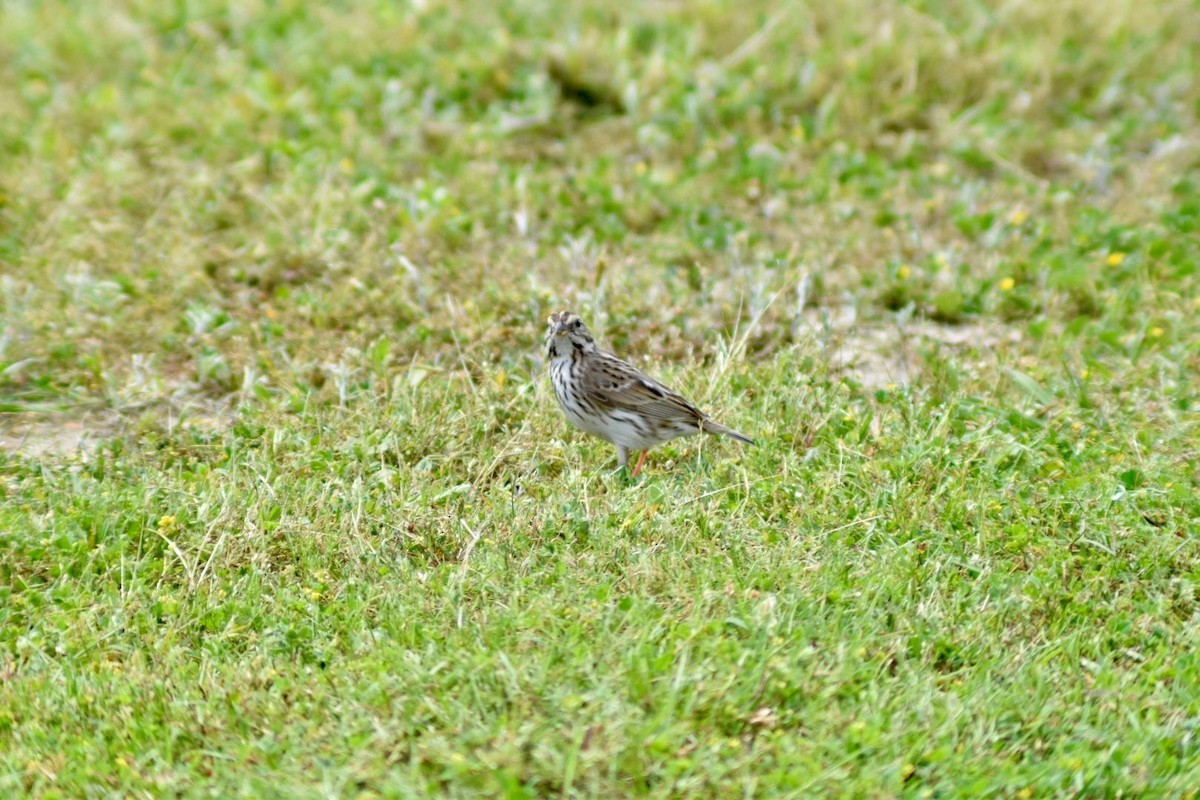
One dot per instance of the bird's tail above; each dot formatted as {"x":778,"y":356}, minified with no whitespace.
{"x":716,"y":427}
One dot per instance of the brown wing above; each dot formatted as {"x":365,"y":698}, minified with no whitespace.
{"x":615,"y":384}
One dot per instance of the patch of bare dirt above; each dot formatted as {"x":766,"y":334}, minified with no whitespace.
{"x":878,"y":355}
{"x":63,"y":434}
{"x":56,"y":435}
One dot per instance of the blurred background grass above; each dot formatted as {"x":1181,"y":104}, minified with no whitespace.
{"x":230,"y":193}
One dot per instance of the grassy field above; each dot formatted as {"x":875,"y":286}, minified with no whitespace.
{"x":287,"y":508}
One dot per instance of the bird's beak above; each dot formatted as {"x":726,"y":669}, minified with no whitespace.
{"x":560,"y":328}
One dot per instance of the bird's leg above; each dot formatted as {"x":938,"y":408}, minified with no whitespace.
{"x":622,"y":456}
{"x":641,"y":460}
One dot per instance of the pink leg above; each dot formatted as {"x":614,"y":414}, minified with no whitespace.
{"x":641,"y":460}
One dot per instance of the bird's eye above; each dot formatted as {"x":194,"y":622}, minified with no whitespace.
{"x":576,"y":324}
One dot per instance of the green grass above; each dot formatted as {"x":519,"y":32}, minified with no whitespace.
{"x":287,"y":508}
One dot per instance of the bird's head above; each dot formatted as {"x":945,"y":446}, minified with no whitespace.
{"x":566,"y":333}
